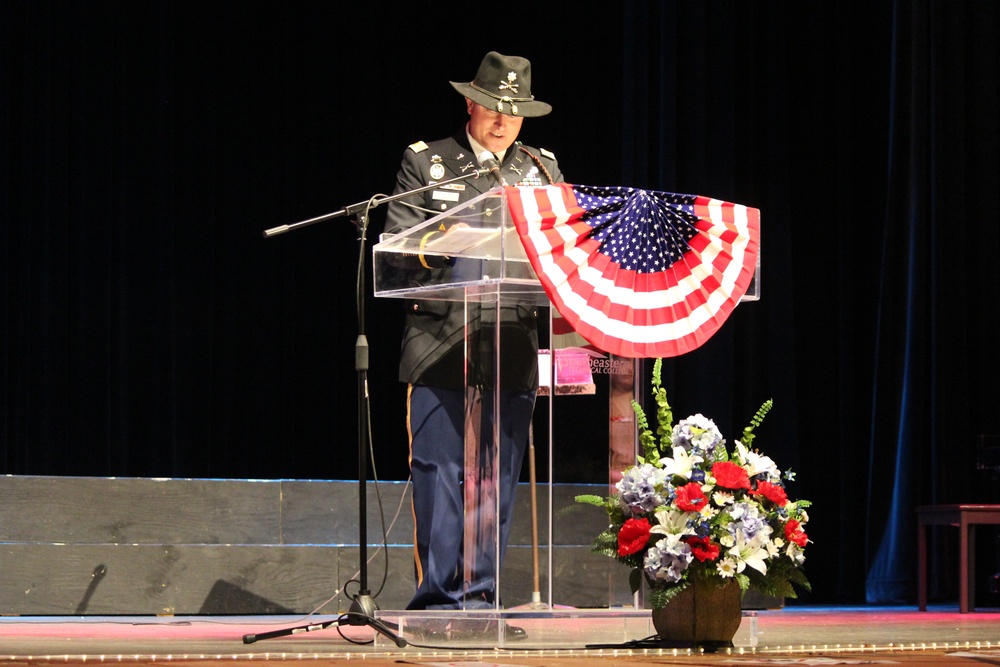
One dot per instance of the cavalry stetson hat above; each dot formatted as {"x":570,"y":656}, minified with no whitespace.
{"x":503,"y":83}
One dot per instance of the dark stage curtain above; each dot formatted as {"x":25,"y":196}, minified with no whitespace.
{"x":150,"y":330}
{"x":866,"y":134}
{"x":783,"y":109}
{"x":936,"y":365}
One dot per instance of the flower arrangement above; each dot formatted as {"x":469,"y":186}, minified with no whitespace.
{"x":692,"y":511}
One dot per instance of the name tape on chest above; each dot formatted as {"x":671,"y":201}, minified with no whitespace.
{"x":444,"y":195}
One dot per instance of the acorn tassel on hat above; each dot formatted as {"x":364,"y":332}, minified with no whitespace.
{"x":503,"y":83}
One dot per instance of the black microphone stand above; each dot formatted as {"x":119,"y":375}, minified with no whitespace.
{"x":363,"y":607}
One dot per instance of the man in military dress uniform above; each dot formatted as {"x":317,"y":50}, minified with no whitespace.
{"x":432,"y":355}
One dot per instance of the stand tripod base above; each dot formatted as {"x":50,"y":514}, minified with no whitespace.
{"x":362,"y":613}
{"x":362,"y":609}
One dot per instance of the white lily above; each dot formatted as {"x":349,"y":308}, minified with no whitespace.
{"x":773,"y":549}
{"x":670,"y":522}
{"x":752,"y":553}
{"x":757,"y":464}
{"x":681,"y":464}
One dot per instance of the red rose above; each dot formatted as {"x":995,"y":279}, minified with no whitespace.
{"x":772,"y":492}
{"x":794,"y":533}
{"x":690,"y":497}
{"x":633,"y":536}
{"x":703,"y":548}
{"x":728,"y":475}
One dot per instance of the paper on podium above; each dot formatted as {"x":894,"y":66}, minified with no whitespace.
{"x":485,"y":257}
{"x":482,"y":242}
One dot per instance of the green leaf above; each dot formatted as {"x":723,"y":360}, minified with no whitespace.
{"x":590,"y":499}
{"x":748,"y":432}
{"x":798,"y":577}
{"x":607,"y":540}
{"x":635,"y":580}
{"x":744,"y":582}
{"x":651,"y":448}
{"x":660,"y":597}
{"x":651,"y":453}
{"x":664,"y":417}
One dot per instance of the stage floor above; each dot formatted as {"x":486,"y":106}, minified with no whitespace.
{"x":793,"y":635}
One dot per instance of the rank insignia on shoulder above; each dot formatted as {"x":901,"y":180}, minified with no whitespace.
{"x":547,"y":153}
{"x":418,"y":147}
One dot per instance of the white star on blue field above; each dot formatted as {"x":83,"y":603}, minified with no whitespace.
{"x":640,"y":230}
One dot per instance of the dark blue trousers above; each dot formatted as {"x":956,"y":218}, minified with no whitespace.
{"x":436,"y":425}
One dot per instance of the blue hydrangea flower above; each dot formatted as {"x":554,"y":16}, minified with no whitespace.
{"x":667,"y":560}
{"x":641,"y":487}
{"x":748,"y":522}
{"x":697,"y":434}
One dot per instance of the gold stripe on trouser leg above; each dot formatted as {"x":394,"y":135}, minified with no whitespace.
{"x":413,"y":509}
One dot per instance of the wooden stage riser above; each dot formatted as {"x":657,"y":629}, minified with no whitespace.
{"x":102,"y":546}
{"x":40,"y":579}
{"x":88,"y":510}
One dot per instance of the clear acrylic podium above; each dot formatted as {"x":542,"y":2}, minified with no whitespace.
{"x":481,"y":264}
{"x":480,"y":260}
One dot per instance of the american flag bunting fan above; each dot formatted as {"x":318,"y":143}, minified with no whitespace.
{"x":638,"y":273}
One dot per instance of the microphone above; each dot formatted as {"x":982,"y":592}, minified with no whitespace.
{"x":489,"y":162}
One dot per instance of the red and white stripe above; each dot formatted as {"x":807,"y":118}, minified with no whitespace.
{"x":631,"y":314}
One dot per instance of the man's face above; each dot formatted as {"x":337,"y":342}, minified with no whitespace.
{"x":493,"y":130}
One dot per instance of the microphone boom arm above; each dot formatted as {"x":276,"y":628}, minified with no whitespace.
{"x":369,"y":203}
